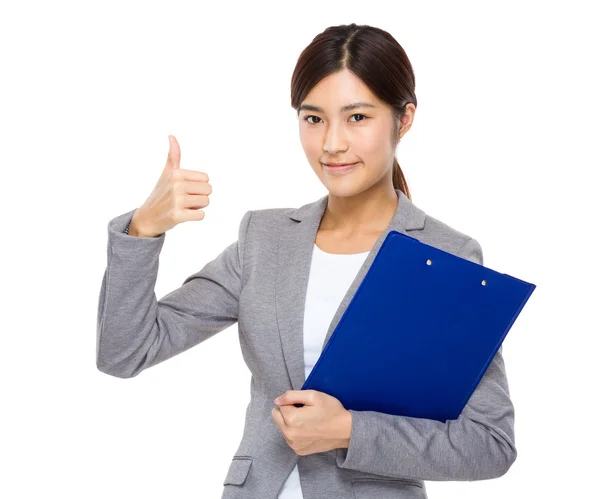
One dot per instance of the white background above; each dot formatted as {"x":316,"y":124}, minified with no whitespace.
{"x":504,"y":147}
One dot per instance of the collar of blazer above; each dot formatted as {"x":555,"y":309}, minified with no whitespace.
{"x":296,"y":246}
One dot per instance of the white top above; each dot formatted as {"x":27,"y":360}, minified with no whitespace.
{"x":330,"y":277}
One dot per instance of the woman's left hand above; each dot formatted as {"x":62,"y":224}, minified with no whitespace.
{"x":321,"y":425}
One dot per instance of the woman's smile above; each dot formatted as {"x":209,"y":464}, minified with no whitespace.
{"x":339,"y":170}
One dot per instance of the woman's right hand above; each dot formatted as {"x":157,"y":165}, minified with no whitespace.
{"x":179,"y":196}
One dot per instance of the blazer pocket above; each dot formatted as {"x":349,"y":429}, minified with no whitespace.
{"x":238,"y":470}
{"x":388,"y":488}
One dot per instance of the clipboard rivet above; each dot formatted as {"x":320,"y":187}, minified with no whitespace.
{"x":483,"y":283}
{"x":428,"y":262}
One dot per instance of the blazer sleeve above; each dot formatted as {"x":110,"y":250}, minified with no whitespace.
{"x":134,"y":330}
{"x":478,"y":445}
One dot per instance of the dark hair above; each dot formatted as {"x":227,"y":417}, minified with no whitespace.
{"x":375,"y":57}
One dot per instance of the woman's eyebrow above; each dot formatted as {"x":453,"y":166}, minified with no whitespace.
{"x":308,"y":107}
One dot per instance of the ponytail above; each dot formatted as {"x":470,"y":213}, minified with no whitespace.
{"x":398,"y":179}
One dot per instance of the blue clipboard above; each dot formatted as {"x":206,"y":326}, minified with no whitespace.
{"x":419,"y":333}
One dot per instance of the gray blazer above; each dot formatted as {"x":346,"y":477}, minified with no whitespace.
{"x":260,"y":282}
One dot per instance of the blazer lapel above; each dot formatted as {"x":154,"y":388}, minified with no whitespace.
{"x":295,"y":251}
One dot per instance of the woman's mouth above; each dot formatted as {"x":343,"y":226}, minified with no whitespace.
{"x":337,"y":169}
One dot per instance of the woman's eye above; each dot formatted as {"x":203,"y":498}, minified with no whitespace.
{"x":306,"y":118}
{"x":359,"y":115}
{"x":311,"y":116}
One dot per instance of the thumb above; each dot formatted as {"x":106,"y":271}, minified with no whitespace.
{"x":174,"y":153}
{"x":295,"y":397}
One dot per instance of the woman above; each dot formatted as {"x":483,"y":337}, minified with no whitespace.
{"x":287,"y":280}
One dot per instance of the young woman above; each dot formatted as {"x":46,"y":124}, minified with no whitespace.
{"x":287,"y":281}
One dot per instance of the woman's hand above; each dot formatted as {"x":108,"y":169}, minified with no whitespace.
{"x":178,"y":196}
{"x":321,"y":425}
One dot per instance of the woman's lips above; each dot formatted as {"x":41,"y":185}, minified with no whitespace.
{"x":339,"y":169}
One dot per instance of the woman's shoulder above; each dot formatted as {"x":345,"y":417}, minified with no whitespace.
{"x":446,"y":237}
{"x":271,"y":218}
{"x":434,"y":228}
{"x":442,"y":234}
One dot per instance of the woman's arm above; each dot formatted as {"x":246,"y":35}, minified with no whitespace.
{"x":134,"y":330}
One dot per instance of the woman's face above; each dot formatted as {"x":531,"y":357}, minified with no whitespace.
{"x":360,"y":135}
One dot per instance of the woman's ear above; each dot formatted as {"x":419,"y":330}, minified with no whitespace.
{"x":406,"y":120}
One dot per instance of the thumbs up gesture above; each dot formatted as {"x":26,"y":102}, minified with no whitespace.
{"x":178,"y":196}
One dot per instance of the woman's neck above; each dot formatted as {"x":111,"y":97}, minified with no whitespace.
{"x":363,"y":213}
